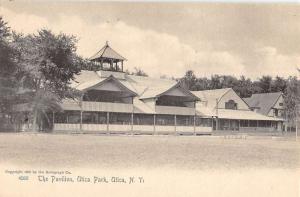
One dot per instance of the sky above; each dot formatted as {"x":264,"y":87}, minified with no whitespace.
{"x":171,"y":38}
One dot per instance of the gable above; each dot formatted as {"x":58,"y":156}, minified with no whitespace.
{"x":279,"y":103}
{"x":264,"y":102}
{"x":112,"y":84}
{"x":108,"y":86}
{"x":175,"y":92}
{"x":231,"y":96}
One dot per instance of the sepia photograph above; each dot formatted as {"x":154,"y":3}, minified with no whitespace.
{"x":149,"y":98}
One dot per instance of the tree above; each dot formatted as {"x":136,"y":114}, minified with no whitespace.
{"x":244,"y":87}
{"x":189,"y":80}
{"x":139,"y":72}
{"x":48,"y":63}
{"x":278,"y":85}
{"x":228,"y":81}
{"x":202,"y":84}
{"x":8,"y":69}
{"x":292,"y":98}
{"x":216,"y":82}
{"x":265,"y":84}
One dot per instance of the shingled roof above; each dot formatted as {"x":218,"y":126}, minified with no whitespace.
{"x":263,"y":102}
{"x":210,"y":96}
{"x":107,"y":52}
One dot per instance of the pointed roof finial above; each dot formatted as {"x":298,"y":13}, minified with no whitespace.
{"x":107,"y":52}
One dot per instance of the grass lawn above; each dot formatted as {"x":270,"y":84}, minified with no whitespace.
{"x":185,"y":152}
{"x":170,"y":165}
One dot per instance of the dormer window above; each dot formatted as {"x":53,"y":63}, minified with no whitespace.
{"x":231,"y":105}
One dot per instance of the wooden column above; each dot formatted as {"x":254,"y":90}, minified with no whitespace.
{"x":175,"y":123}
{"x":53,"y":122}
{"x":195,"y":124}
{"x":132,"y":111}
{"x":122,"y":65}
{"x":101,"y":64}
{"x":111,"y":64}
{"x":154,"y":120}
{"x":81,"y":98}
{"x":81,"y":121}
{"x":132,"y":124}
{"x":107,"y":122}
{"x":217,"y":113}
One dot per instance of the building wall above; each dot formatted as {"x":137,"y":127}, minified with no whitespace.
{"x":128,"y":129}
{"x":109,"y":86}
{"x":278,"y":107}
{"x":231,"y":95}
{"x":150,"y":102}
{"x":175,"y":92}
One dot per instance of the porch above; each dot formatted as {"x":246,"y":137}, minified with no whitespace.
{"x":128,"y":123}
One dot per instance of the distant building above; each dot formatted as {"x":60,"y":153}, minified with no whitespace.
{"x":268,"y":104}
{"x":232,"y":113}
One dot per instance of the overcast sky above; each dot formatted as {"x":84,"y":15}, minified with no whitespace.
{"x":169,"y":38}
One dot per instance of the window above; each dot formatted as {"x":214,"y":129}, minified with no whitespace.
{"x":143,"y":119}
{"x":203,"y":122}
{"x":89,"y":118}
{"x":252,"y":123}
{"x":70,"y":117}
{"x":244,"y":123}
{"x":60,"y":117}
{"x":94,"y":118}
{"x":276,"y":112}
{"x":264,"y":123}
{"x":120,"y":118}
{"x":165,"y":120}
{"x":185,"y":120}
{"x":73,"y":117}
{"x":280,"y":104}
{"x":231,"y":105}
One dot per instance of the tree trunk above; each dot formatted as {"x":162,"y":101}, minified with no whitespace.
{"x":34,"y":122}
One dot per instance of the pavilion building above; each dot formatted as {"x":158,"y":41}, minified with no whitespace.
{"x":115,"y":102}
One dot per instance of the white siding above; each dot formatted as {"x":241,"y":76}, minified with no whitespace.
{"x":231,"y":95}
{"x":277,"y":106}
{"x":201,"y":130}
{"x":107,"y":107}
{"x":174,"y":110}
{"x":150,"y":102}
{"x":109,"y":86}
{"x":175,"y":92}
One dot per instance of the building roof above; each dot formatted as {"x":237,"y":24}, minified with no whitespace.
{"x":153,"y":92}
{"x":140,"y":86}
{"x":147,"y":87}
{"x":107,"y":52}
{"x":205,"y":111}
{"x":144,"y":87}
{"x":263,"y":102}
{"x":243,"y":115}
{"x":210,"y":96}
